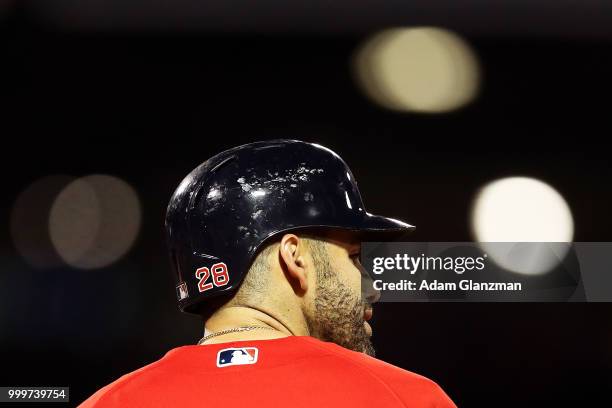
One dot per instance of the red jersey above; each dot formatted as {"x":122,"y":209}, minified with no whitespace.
{"x":295,"y":371}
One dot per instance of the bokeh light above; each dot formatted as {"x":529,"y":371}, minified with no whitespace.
{"x":94,"y":221}
{"x":522,"y":210}
{"x":420,"y":69}
{"x":29,"y":221}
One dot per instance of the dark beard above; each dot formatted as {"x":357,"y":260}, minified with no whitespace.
{"x":339,"y":315}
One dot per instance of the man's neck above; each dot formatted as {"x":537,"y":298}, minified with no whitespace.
{"x":231,"y":317}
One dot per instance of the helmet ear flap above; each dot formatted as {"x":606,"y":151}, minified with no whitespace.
{"x":206,"y":309}
{"x":176,"y":265}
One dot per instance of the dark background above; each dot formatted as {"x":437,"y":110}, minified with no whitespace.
{"x":148,"y":103}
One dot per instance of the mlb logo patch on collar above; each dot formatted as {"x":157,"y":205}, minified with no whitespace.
{"x":237,"y":356}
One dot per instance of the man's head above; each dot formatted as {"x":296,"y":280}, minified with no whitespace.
{"x":235,"y":204}
{"x":312,"y":282}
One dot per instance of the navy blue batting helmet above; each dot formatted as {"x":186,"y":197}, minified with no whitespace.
{"x":227,"y":208}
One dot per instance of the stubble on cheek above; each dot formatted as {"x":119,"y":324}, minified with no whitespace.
{"x":338,"y":317}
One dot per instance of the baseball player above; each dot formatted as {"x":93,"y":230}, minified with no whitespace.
{"x":264,"y":240}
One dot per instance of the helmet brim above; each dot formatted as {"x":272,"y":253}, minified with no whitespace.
{"x":372,"y":228}
{"x":379,"y":228}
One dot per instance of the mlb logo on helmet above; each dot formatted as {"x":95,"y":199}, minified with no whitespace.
{"x":237,"y":356}
{"x":181,"y":291}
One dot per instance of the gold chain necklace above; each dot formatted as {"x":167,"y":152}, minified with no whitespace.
{"x":235,"y":329}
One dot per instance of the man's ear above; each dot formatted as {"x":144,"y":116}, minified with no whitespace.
{"x":292,"y":253}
